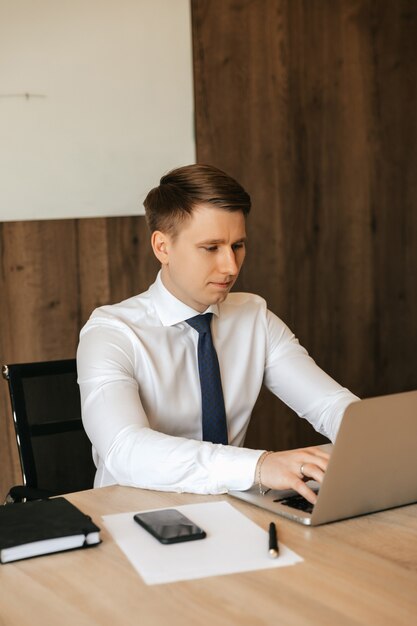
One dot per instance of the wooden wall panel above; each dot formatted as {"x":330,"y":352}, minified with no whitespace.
{"x":53,"y":274}
{"x":311,"y":105}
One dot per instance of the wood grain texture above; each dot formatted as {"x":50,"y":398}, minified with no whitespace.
{"x":311,"y":105}
{"x":53,"y":274}
{"x":358,"y":572}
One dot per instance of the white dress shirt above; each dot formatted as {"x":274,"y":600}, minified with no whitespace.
{"x":141,"y":398}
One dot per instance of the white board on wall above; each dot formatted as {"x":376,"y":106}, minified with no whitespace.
{"x":96,"y":103}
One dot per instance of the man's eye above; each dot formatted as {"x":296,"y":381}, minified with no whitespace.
{"x":210,"y":248}
{"x":236,"y":246}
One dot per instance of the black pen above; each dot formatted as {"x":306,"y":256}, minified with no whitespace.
{"x":273,"y":541}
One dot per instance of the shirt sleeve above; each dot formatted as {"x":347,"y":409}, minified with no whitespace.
{"x":132,"y":452}
{"x":293,"y":376}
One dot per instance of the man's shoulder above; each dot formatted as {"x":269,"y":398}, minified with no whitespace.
{"x":241,"y":302}
{"x":133,"y":310}
{"x":244,"y":297}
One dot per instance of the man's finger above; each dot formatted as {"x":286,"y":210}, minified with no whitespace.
{"x":305,"y":491}
{"x":311,"y":459}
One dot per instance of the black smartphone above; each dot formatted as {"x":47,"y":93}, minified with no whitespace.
{"x":169,"y":526}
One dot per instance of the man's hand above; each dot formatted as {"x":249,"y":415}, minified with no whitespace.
{"x":291,"y":468}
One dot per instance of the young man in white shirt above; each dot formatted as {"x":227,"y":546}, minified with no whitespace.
{"x":138,"y":360}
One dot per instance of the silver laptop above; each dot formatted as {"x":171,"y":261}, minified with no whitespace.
{"x":373,"y":465}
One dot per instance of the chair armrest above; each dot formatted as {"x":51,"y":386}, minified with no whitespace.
{"x":21,"y":493}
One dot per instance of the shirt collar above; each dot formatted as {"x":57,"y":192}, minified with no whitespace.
{"x":170,"y":310}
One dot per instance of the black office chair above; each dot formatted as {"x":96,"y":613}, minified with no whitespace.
{"x":54,"y":450}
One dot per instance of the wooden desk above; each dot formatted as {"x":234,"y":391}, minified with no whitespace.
{"x":360,"y":571}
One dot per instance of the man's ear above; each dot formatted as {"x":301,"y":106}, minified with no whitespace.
{"x":160,"y":245}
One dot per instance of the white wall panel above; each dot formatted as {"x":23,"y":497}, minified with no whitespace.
{"x":96,"y":102}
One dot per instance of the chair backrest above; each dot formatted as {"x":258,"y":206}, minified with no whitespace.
{"x":55,"y":452}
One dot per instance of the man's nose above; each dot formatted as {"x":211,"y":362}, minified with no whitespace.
{"x":228,"y":264}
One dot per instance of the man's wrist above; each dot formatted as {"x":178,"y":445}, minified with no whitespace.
{"x":258,"y":472}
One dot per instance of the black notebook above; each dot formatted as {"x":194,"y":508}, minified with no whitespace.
{"x":44,"y":526}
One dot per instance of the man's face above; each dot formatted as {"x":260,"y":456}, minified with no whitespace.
{"x":201,"y":265}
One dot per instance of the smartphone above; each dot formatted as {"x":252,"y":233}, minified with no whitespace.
{"x":169,"y":526}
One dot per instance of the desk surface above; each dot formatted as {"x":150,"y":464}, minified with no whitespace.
{"x":359,"y":571}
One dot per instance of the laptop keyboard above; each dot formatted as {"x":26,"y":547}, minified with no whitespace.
{"x":297,"y":502}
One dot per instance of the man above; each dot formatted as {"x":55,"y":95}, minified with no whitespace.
{"x":144,"y":364}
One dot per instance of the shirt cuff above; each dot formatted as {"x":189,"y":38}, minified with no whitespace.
{"x":235,"y":468}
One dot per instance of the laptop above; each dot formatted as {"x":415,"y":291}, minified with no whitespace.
{"x":372,"y":467}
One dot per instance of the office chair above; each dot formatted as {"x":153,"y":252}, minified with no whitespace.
{"x":54,"y":450}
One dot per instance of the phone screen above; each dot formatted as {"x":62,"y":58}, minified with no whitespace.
{"x":169,"y":526}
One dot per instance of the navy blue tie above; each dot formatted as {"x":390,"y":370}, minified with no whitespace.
{"x":214,"y":414}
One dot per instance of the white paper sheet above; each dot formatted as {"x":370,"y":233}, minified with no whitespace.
{"x":233,"y":544}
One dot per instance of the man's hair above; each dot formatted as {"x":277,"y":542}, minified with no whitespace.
{"x":181,"y":190}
